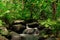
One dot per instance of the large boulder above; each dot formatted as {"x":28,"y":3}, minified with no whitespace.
{"x":3,"y":31}
{"x":14,"y":36}
{"x":18,"y":28}
{"x":29,"y":37}
{"x":3,"y":38}
{"x":31,"y":31}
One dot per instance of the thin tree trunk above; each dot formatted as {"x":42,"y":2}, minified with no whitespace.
{"x":23,"y":4}
{"x":31,"y":11}
{"x":54,"y":10}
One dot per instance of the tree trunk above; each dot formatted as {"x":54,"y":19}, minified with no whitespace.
{"x":54,"y":10}
{"x":23,"y":4}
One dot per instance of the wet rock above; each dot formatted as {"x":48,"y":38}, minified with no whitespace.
{"x":18,"y":28}
{"x":18,"y":22}
{"x":33,"y":25}
{"x":31,"y":31}
{"x":3,"y":38}
{"x":29,"y":37}
{"x":41,"y":27}
{"x":14,"y":36}
{"x":3,"y":31}
{"x":13,"y":33}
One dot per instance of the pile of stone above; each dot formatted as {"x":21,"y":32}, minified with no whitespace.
{"x":22,"y":30}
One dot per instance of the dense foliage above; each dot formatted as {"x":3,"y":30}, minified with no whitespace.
{"x":24,"y":9}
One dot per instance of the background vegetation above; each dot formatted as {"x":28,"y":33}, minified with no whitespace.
{"x":47,"y":12}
